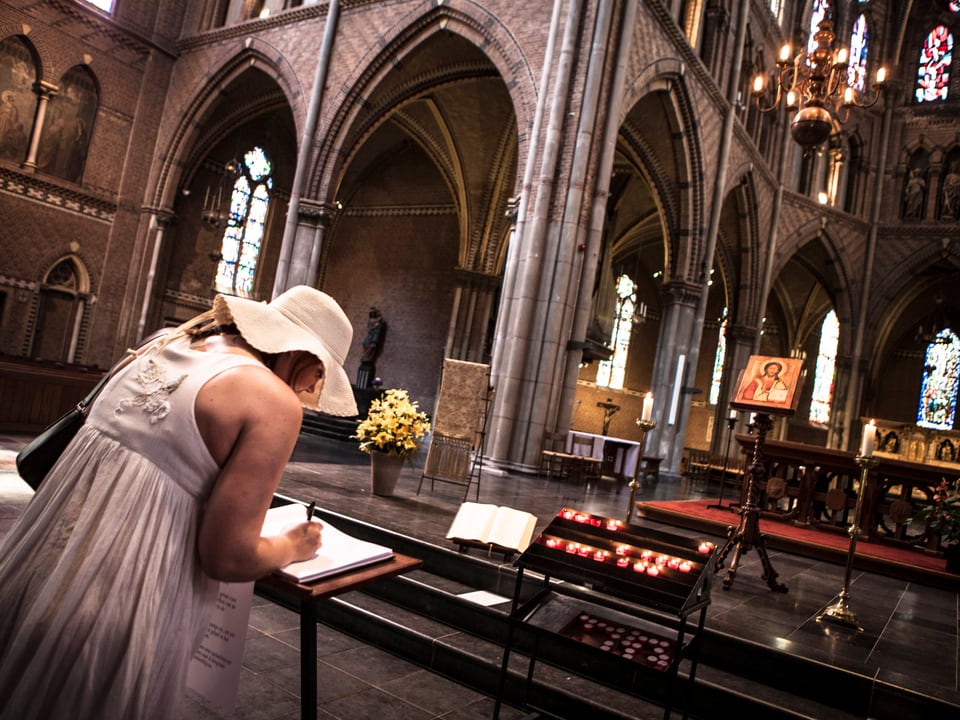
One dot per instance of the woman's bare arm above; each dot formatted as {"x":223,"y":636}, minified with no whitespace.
{"x":250,"y":420}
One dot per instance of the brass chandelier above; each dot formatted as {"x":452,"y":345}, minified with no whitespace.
{"x":814,"y":85}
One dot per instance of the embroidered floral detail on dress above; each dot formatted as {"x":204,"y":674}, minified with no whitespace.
{"x":156,"y":391}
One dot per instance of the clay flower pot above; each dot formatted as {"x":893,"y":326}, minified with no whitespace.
{"x":384,"y":472}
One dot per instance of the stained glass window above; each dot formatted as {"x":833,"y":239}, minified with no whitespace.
{"x":826,"y":370}
{"x":933,"y":70}
{"x":776,"y":7}
{"x":817,"y":14}
{"x":718,"y":361}
{"x":857,"y":68}
{"x":240,"y":249}
{"x":954,"y":6}
{"x":938,"y":393}
{"x":610,"y":373}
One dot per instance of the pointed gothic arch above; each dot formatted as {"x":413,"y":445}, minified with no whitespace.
{"x":60,"y":313}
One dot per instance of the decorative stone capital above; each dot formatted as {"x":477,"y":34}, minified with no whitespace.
{"x":680,"y":292}
{"x":317,"y":212}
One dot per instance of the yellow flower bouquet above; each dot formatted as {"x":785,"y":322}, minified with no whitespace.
{"x":393,"y":425}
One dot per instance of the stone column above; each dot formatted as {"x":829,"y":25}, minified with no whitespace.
{"x":673,"y":372}
{"x":44,"y":91}
{"x":314,"y":219}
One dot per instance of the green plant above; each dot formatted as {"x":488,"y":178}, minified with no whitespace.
{"x":943,"y":514}
{"x":393,"y":425}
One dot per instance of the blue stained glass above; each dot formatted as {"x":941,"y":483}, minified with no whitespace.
{"x":933,"y":70}
{"x":243,"y":236}
{"x":610,"y":373}
{"x":857,"y":68}
{"x":938,"y":392}
{"x":822,"y":396}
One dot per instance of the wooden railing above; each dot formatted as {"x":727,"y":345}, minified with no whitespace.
{"x":817,"y":487}
{"x":33,"y":394}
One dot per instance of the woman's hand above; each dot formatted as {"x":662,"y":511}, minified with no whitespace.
{"x":305,"y":539}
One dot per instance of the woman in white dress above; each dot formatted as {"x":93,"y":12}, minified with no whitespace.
{"x":109,"y":577}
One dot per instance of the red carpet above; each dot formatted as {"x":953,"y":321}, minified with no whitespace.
{"x":884,"y":559}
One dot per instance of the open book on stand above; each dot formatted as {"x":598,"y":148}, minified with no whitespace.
{"x":498,"y":528}
{"x":338,"y":553}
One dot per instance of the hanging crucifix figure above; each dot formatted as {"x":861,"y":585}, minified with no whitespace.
{"x":609,"y":410}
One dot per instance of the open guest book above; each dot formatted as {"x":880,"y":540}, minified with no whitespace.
{"x":500,"y":528}
{"x":338,"y":553}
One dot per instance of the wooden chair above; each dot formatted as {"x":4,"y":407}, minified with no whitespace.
{"x":649,"y":467}
{"x":698,"y":465}
{"x":553,"y":459}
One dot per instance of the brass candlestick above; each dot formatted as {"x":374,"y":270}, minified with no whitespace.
{"x":634,"y":485}
{"x":840,"y":611}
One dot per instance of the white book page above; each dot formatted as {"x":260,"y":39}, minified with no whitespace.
{"x":214,"y":672}
{"x":512,"y":528}
{"x":338,"y":551}
{"x":472,"y":522}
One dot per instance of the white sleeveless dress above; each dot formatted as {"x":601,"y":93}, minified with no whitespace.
{"x":102,"y":599}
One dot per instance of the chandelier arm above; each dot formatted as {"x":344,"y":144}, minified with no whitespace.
{"x":873,"y":102}
{"x":772,"y":105}
{"x":834,"y":83}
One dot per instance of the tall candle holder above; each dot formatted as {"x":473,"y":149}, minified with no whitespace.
{"x":634,"y":485}
{"x":840,"y":611}
{"x":731,"y":421}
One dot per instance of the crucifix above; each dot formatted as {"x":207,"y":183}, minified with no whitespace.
{"x":609,"y":410}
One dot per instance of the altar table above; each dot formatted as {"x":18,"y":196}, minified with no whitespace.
{"x":620,"y":457}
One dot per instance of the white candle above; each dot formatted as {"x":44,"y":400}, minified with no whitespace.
{"x":753,"y":417}
{"x":869,"y":439}
{"x":733,"y":415}
{"x":647,"y":413}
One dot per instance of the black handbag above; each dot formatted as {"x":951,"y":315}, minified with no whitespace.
{"x":39,"y":455}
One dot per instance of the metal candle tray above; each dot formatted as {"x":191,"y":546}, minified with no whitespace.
{"x":669,"y":572}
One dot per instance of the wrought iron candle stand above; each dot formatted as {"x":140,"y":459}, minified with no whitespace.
{"x":840,"y":611}
{"x":634,"y":485}
{"x":731,"y":421}
{"x":747,"y":534}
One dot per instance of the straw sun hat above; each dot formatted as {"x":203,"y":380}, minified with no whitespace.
{"x":302,"y":318}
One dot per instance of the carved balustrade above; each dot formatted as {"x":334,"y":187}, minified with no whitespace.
{"x":817,"y":487}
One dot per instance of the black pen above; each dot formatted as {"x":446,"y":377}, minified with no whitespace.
{"x":310,"y":509}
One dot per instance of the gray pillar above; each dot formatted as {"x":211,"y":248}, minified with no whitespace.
{"x":673,"y":373}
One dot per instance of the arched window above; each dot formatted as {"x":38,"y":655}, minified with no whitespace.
{"x":826,"y":370}
{"x":718,"y":361}
{"x":938,"y":392}
{"x":610,"y":373}
{"x":933,"y":70}
{"x":61,"y":312}
{"x":18,"y":102}
{"x":857,"y":67}
{"x":776,"y":7}
{"x":817,"y":13}
{"x":65,"y":137}
{"x":240,"y":249}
